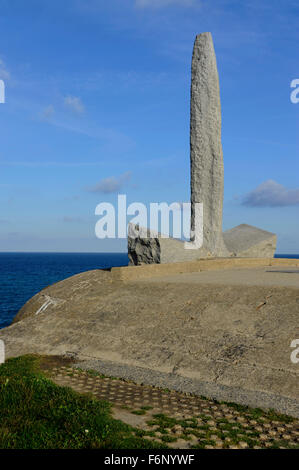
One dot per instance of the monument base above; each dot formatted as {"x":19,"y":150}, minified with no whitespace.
{"x":146,"y":249}
{"x":243,"y":241}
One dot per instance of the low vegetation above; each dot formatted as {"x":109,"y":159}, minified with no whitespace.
{"x":37,"y":414}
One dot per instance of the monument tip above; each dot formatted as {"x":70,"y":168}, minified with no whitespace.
{"x":203,"y":35}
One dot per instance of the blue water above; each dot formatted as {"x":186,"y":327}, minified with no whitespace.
{"x":287,"y":256}
{"x":22,"y":275}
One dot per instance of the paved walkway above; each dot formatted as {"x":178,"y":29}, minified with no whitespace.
{"x":180,"y":420}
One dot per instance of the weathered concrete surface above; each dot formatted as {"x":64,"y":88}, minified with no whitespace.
{"x":206,"y":156}
{"x":230,"y":342}
{"x":250,"y":242}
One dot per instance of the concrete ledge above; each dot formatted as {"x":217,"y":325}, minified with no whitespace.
{"x":131,"y":273}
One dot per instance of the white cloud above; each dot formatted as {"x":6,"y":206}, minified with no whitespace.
{"x":74,"y":104}
{"x":163,"y":3}
{"x":110,"y":185}
{"x":271,"y":194}
{"x":4,"y":73}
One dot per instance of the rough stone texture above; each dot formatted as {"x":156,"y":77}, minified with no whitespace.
{"x":225,"y":341}
{"x":207,"y":174}
{"x":143,"y":250}
{"x":157,"y":250}
{"x":247,"y":241}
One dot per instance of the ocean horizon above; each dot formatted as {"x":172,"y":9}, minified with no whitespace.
{"x":24,"y":274}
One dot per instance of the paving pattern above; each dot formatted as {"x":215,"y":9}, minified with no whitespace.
{"x":181,"y":420}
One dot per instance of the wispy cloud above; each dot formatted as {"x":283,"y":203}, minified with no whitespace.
{"x":112,"y":140}
{"x":71,"y":103}
{"x":271,"y":194}
{"x":163,"y":3}
{"x":4,"y":72}
{"x":110,"y":185}
{"x":48,"y":112}
{"x":74,"y":104}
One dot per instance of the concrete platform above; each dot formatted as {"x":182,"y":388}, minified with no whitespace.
{"x":127,"y":273}
{"x":261,"y":276}
{"x":221,"y":334}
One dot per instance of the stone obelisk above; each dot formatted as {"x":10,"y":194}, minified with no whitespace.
{"x":207,"y":174}
{"x":207,"y":181}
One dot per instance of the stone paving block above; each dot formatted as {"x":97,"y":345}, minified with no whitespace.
{"x":182,"y":408}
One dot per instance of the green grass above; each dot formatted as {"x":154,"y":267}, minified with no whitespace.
{"x":142,"y":411}
{"x":260,"y":415}
{"x":95,"y":373}
{"x":37,"y":414}
{"x":138,"y":412}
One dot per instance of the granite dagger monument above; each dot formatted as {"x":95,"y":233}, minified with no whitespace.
{"x":207,"y":180}
{"x":206,"y":156}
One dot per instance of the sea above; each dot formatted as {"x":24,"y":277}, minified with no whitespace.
{"x":23,"y":275}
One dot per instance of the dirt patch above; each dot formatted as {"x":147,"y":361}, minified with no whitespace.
{"x":129,"y":418}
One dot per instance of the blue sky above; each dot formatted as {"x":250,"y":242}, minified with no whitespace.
{"x":97,"y":102}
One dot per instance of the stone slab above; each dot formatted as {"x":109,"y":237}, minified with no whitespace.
{"x":249,"y":241}
{"x":144,"y":249}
